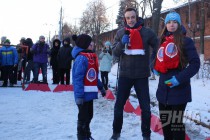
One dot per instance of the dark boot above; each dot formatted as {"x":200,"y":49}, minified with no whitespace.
{"x":88,"y":134}
{"x":4,"y":84}
{"x":81,"y":131}
{"x":146,"y":138}
{"x":81,"y":137}
{"x":90,"y":138}
{"x":115,"y":136}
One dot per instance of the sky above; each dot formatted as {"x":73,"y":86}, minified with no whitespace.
{"x":36,"y":115}
{"x":32,"y":18}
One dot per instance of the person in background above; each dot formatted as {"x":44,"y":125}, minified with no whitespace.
{"x":3,"y":38}
{"x":132,"y":45}
{"x":176,"y":62}
{"x":21,"y":49}
{"x":105,"y":63}
{"x":40,"y":51}
{"x":64,"y":59}
{"x":29,"y":61}
{"x":8,"y":61}
{"x":85,"y":82}
{"x":54,"y":62}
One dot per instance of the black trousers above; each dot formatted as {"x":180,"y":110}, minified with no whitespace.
{"x":62,"y":73}
{"x":142,"y":91}
{"x":18,"y":72}
{"x":171,"y":117}
{"x":29,"y":67}
{"x":1,"y":73}
{"x":85,"y":116}
{"x":56,"y":77}
{"x":105,"y":79}
{"x":8,"y":74}
{"x":16,"y":75}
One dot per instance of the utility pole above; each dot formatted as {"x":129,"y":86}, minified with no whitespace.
{"x":60,"y":26}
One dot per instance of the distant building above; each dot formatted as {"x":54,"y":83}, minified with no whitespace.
{"x":190,"y":14}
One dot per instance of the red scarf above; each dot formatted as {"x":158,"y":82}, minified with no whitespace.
{"x":167,"y":55}
{"x":136,"y":45}
{"x":91,"y":78}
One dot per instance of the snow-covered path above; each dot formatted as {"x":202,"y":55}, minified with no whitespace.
{"x":31,"y":115}
{"x":35,"y":115}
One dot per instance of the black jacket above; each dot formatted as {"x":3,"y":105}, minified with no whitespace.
{"x":64,"y":57}
{"x":54,"y":53}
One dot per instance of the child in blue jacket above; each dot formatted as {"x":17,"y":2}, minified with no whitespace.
{"x":176,"y":62}
{"x":86,"y":83}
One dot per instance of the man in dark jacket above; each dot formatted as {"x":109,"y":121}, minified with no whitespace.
{"x":64,"y":61}
{"x":132,"y":45}
{"x":41,"y":50}
{"x":53,"y":60}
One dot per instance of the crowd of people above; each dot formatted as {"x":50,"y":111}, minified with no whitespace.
{"x":17,"y":62}
{"x":173,"y":58}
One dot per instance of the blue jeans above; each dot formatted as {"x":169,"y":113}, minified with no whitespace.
{"x":43,"y":67}
{"x":142,"y":91}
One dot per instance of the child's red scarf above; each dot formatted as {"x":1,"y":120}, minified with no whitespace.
{"x":91,"y":78}
{"x":167,"y":56}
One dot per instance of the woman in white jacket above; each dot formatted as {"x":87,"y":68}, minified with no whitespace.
{"x":105,"y":63}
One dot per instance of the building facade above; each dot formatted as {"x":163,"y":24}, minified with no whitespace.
{"x":190,"y":16}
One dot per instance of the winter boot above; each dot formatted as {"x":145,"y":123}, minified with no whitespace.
{"x":4,"y":85}
{"x":87,"y":131}
{"x":81,"y":133}
{"x":115,"y":136}
{"x":146,"y":138}
{"x":11,"y":85}
{"x":80,"y":137}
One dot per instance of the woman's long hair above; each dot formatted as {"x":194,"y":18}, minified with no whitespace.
{"x":178,"y":41}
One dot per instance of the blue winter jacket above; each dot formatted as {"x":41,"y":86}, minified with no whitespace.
{"x":8,"y":56}
{"x":182,"y":93}
{"x":78,"y":75}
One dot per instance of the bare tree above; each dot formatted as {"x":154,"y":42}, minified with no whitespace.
{"x":69,"y":29}
{"x":154,"y":8}
{"x":94,"y":20}
{"x":123,"y":5}
{"x":143,"y":6}
{"x":156,"y":15}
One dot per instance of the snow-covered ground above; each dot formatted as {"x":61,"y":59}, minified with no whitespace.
{"x":36,"y":115}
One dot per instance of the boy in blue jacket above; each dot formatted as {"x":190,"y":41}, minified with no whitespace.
{"x":86,"y":83}
{"x":8,"y":61}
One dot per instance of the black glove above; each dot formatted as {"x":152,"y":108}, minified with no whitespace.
{"x":104,"y":51}
{"x":103,"y":92}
